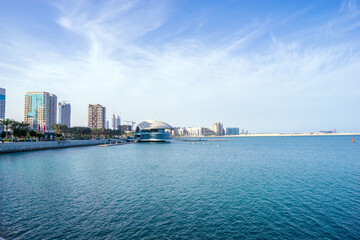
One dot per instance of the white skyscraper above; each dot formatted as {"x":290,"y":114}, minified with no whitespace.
{"x":113,"y":122}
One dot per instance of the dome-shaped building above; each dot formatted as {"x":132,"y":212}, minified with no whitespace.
{"x":152,"y":131}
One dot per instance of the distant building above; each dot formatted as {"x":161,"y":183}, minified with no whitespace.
{"x":175,"y":131}
{"x":194,"y":131}
{"x":2,"y":102}
{"x":232,"y":131}
{"x":209,"y":132}
{"x":96,"y":116}
{"x":125,"y":128}
{"x":325,"y":131}
{"x":118,"y":122}
{"x":198,"y":131}
{"x":113,"y":122}
{"x":218,"y":128}
{"x":64,"y":113}
{"x":40,"y":110}
{"x":191,"y":132}
{"x":182,"y":131}
{"x":107,"y":125}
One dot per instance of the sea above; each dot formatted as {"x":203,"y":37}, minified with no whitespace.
{"x":240,"y":188}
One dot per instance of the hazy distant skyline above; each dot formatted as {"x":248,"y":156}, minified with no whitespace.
{"x":264,"y":66}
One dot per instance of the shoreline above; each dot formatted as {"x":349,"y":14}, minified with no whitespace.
{"x":15,"y":147}
{"x":274,"y":135}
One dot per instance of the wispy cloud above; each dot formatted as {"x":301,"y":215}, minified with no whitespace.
{"x":185,"y":81}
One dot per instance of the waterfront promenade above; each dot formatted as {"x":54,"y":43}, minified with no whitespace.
{"x":33,"y":146}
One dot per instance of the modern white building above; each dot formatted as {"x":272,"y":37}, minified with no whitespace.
{"x":40,"y":110}
{"x":152,"y":131}
{"x":218,"y":128}
{"x":192,"y":132}
{"x":96,"y":116}
{"x":64,"y":113}
{"x":113,"y":122}
{"x":182,"y":131}
{"x":2,"y":102}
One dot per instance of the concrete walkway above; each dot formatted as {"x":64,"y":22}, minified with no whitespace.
{"x":34,"y":146}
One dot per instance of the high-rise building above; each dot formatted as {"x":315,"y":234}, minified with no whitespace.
{"x":64,"y":113}
{"x":2,"y":103}
{"x":107,"y":125}
{"x":40,"y":110}
{"x":218,"y":128}
{"x":96,"y":116}
{"x":118,"y":122}
{"x":113,"y":122}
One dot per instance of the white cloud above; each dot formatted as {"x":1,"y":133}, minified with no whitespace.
{"x":185,"y":81}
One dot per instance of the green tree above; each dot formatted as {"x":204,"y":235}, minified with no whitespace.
{"x":63,"y":128}
{"x":6,"y":123}
{"x":32,"y":133}
{"x":13,"y":125}
{"x":79,"y":131}
{"x":56,"y":127}
{"x":20,"y":129}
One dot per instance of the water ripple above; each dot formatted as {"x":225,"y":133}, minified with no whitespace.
{"x":253,"y":188}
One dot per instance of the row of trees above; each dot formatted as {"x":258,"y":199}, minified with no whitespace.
{"x":86,"y":132}
{"x":21,"y":129}
{"x":18,"y":129}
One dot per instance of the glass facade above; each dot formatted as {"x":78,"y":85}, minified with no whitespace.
{"x":232,"y":131}
{"x":160,"y":136}
{"x":40,"y":110}
{"x":2,"y":103}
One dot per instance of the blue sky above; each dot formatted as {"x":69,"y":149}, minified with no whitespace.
{"x":265,"y":66}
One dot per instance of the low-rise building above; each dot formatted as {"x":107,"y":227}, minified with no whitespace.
{"x":232,"y":131}
{"x":125,"y":128}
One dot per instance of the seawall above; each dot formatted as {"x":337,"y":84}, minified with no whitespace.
{"x":34,"y":146}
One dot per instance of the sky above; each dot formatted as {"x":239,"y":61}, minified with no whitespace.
{"x":264,"y":66}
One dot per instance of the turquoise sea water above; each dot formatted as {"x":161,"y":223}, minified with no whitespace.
{"x":253,"y":188}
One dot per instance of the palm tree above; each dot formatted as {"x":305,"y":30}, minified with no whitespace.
{"x":56,"y":128}
{"x":6,"y":123}
{"x":20,"y":129}
{"x":63,"y":128}
{"x":13,"y":125}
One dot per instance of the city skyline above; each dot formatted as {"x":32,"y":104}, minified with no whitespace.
{"x":263,"y":66}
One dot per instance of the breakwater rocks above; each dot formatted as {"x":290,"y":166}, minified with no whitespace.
{"x":34,"y":146}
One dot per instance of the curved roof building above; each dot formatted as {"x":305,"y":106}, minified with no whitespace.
{"x":149,"y":125}
{"x":152,"y":131}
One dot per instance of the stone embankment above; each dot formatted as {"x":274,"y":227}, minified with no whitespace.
{"x":34,"y":146}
